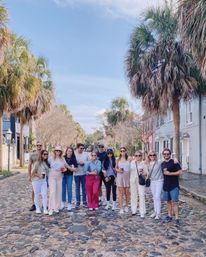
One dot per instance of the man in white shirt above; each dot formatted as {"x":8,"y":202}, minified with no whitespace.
{"x":80,"y":175}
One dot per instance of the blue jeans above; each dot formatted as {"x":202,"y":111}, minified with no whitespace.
{"x":80,"y":180}
{"x":67,"y":188}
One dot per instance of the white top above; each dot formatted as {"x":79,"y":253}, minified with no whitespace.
{"x":133,"y":169}
{"x":57,"y":164}
{"x":81,"y":157}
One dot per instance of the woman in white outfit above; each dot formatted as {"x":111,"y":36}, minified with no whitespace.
{"x":39,"y":181}
{"x":58,"y":167}
{"x":156,"y":176}
{"x":137,"y":167}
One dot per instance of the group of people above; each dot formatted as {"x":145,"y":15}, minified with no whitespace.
{"x":128,"y":175}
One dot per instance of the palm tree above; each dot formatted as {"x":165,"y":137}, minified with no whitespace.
{"x":4,"y":42}
{"x":158,"y":69}
{"x":40,"y":103}
{"x":192,"y":23}
{"x":119,"y":111}
{"x":17,"y":85}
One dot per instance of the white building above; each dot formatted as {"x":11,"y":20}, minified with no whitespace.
{"x":192,"y":134}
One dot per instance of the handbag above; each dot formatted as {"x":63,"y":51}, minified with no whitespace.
{"x":141,"y":177}
{"x":148,"y":180}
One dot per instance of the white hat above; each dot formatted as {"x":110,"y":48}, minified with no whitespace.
{"x":58,"y":148}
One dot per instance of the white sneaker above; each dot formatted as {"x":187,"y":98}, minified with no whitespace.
{"x":69,"y":207}
{"x":46,"y":212}
{"x":153,"y":215}
{"x":121,"y":211}
{"x":57,"y":211}
{"x":107,"y":206}
{"x":50,"y":212}
{"x":96,"y":208}
{"x":62,"y":205}
{"x":142,"y":216}
{"x":114,"y":206}
{"x":157,"y":217}
{"x":38,"y":211}
{"x":91,"y":209}
{"x":126,"y":209}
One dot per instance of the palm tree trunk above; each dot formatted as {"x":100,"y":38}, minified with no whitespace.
{"x":176,"y":119}
{"x":1,"y":140}
{"x":21,"y":143}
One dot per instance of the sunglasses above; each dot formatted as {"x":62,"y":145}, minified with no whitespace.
{"x":38,"y":145}
{"x":94,"y":155}
{"x":57,"y":151}
{"x":138,"y":155}
{"x":81,"y":148}
{"x":101,"y":146}
{"x":167,"y":154}
{"x":152,"y":155}
{"x":45,"y":154}
{"x":122,"y":151}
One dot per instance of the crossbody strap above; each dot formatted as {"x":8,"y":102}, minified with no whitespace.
{"x":150,"y":174}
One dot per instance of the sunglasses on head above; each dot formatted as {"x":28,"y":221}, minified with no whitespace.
{"x":138,"y":155}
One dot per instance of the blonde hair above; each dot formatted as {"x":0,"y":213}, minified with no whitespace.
{"x":148,"y":156}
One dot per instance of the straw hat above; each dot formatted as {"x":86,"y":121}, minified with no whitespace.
{"x":58,"y":148}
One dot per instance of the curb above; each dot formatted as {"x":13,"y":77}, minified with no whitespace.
{"x":198,"y":197}
{"x":13,"y":174}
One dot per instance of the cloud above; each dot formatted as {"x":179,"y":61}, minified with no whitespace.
{"x":114,"y":8}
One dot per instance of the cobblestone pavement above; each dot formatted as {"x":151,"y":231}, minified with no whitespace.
{"x":94,"y":233}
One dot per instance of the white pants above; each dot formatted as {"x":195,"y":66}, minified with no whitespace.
{"x":55,"y":190}
{"x":40,"y":188}
{"x":156,"y":188}
{"x":135,"y":190}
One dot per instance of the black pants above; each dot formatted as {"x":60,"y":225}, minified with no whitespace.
{"x":102,"y":179}
{"x":111,"y":185}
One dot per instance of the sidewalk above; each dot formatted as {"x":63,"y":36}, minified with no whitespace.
{"x":194,"y":185}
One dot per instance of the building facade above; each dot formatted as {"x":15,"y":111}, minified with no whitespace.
{"x":160,"y":134}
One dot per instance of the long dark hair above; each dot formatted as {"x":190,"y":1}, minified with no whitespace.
{"x":126,"y":155}
{"x":43,"y":160}
{"x":107,"y":160}
{"x":73,"y":155}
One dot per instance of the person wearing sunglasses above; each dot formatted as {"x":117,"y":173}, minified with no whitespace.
{"x":122,"y":180}
{"x":39,"y":181}
{"x":138,"y":168}
{"x":34,"y":156}
{"x":101,"y":154}
{"x":68,"y":177}
{"x":58,"y":167}
{"x":80,"y":175}
{"x":109,"y":165}
{"x":156,"y":176}
{"x":92,"y":169}
{"x":171,"y":170}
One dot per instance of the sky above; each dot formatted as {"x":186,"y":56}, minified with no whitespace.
{"x":85,"y":43}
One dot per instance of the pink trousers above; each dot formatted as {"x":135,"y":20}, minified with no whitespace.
{"x":92,"y":188}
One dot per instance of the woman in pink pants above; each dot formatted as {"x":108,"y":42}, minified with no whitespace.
{"x":93,"y":169}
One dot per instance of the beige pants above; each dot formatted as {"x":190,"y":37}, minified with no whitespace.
{"x":55,"y":190}
{"x":137,"y":190}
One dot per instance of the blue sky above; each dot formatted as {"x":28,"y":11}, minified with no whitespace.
{"x":85,"y":43}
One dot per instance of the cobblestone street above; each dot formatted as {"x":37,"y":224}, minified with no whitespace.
{"x":94,"y":233}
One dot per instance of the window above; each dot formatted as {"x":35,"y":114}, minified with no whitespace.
{"x":157,"y":147}
{"x":189,"y":112}
{"x":165,"y":144}
{"x":171,"y":144}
